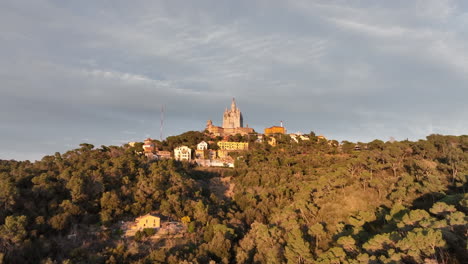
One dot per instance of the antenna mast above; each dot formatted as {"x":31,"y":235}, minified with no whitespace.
{"x":163,"y":108}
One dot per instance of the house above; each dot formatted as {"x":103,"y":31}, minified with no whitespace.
{"x":163,"y":154}
{"x":183,"y":153}
{"x":202,"y":146}
{"x":147,"y":221}
{"x":140,"y":223}
{"x":296,"y":136}
{"x":149,"y":146}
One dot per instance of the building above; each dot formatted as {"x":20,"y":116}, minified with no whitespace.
{"x":275,"y":130}
{"x":140,"y":223}
{"x":211,"y":154}
{"x":201,"y":151}
{"x":233,"y":118}
{"x":233,"y":123}
{"x":272,"y":141}
{"x":149,"y":149}
{"x":228,"y":145}
{"x":183,"y":153}
{"x":298,"y":136}
{"x":202,"y":146}
{"x":163,"y":154}
{"x":149,"y":146}
{"x":148,"y":221}
{"x":211,"y":158}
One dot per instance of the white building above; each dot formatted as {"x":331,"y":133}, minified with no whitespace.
{"x":202,"y":146}
{"x":296,"y":136}
{"x":183,"y":153}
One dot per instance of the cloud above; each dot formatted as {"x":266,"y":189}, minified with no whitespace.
{"x":350,"y":70}
{"x":373,"y":30}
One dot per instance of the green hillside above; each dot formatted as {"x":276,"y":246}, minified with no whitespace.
{"x":306,"y":202}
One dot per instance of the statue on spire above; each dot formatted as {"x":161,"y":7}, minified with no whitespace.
{"x":233,"y":104}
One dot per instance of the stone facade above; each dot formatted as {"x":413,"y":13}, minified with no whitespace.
{"x":233,"y":118}
{"x":233,"y":123}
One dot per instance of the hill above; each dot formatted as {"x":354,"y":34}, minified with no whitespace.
{"x":306,"y":202}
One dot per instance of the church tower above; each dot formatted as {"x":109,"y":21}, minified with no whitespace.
{"x":233,"y":118}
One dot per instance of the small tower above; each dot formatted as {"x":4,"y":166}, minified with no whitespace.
{"x":209,"y":124}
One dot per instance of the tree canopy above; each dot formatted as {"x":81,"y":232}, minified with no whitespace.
{"x":306,"y":202}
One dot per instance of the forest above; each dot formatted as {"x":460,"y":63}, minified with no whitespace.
{"x":314,"y":201}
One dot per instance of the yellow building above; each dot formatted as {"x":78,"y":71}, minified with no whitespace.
{"x":228,"y":145}
{"x":275,"y":130}
{"x":147,"y":221}
{"x":140,"y":223}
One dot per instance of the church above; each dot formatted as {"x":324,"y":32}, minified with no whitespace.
{"x":233,"y":123}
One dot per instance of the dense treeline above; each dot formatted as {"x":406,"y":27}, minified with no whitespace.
{"x":306,"y":202}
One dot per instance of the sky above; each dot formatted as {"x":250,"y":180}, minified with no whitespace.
{"x":100,"y":71}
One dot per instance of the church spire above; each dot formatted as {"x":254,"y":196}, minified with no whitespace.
{"x":233,"y":104}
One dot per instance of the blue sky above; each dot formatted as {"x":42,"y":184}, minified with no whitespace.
{"x":99,"y":71}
